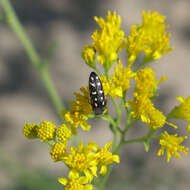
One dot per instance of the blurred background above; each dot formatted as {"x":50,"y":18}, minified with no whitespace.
{"x":26,"y":164}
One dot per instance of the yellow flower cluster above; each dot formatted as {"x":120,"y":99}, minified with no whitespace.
{"x":142,"y":106}
{"x":84,"y":162}
{"x":182,"y":111}
{"x":63,"y":133}
{"x":171,"y":143}
{"x":150,"y":37}
{"x":58,"y":151}
{"x":107,"y":41}
{"x":75,"y":182}
{"x":87,"y":160}
{"x":119,"y":82}
{"x":88,"y":54}
{"x":105,"y":157}
{"x":80,"y":109}
{"x":30,"y":130}
{"x":47,"y":131}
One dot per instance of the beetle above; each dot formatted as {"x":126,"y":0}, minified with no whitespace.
{"x":97,"y":98}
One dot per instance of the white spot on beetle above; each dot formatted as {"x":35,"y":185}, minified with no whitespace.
{"x":101,"y":98}
{"x":103,"y":103}
{"x":92,"y":78}
{"x":98,"y":83}
{"x":96,"y":105}
{"x":97,"y":77}
{"x":100,"y":91}
{"x":94,"y":92}
{"x":92,"y":84}
{"x":95,"y":99}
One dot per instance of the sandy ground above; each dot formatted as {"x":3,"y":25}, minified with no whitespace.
{"x":24,"y":99}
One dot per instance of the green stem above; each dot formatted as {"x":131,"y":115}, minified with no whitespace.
{"x":14,"y":23}
{"x":52,"y":92}
{"x":103,"y":181}
{"x":117,"y":129}
{"x":142,"y":139}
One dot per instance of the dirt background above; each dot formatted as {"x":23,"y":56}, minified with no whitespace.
{"x":26,"y":165}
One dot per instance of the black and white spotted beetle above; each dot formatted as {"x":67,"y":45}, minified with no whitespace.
{"x":97,"y":98}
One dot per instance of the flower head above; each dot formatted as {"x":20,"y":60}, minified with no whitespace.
{"x":105,"y":157}
{"x":88,"y":54}
{"x":150,"y":37}
{"x":82,"y":160}
{"x":119,"y":82}
{"x":171,"y":143}
{"x":82,"y":104}
{"x":183,"y":110}
{"x":63,"y":133}
{"x":156,"y":119}
{"x":108,"y":39}
{"x":75,"y":119}
{"x":80,"y":109}
{"x":122,"y":77}
{"x":30,"y":130}
{"x":146,"y":82}
{"x":141,"y":106}
{"x":58,"y":151}
{"x":46,"y":131}
{"x":75,"y":183}
{"x":110,"y":88}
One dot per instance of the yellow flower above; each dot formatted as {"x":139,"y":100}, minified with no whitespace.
{"x":141,"y":106}
{"x":80,"y":109}
{"x":75,"y":183}
{"x":182,"y":111}
{"x":63,"y":133}
{"x":105,"y":157}
{"x":58,"y":151}
{"x":82,"y":160}
{"x":30,"y":130}
{"x":108,"y":40}
{"x":119,"y":82}
{"x":75,"y":119}
{"x":122,"y":77}
{"x":172,"y":145}
{"x":46,"y":131}
{"x":82,"y":104}
{"x":156,"y":119}
{"x":146,"y":82}
{"x":110,"y":88}
{"x":150,"y":37}
{"x":88,"y":54}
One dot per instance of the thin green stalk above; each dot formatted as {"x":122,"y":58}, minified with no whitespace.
{"x":52,"y":92}
{"x":142,"y":139}
{"x":117,"y":129}
{"x":14,"y":23}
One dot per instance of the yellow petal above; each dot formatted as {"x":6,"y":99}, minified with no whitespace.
{"x":103,"y":170}
{"x":62,"y":180}
{"x":116,"y":158}
{"x":108,"y":145}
